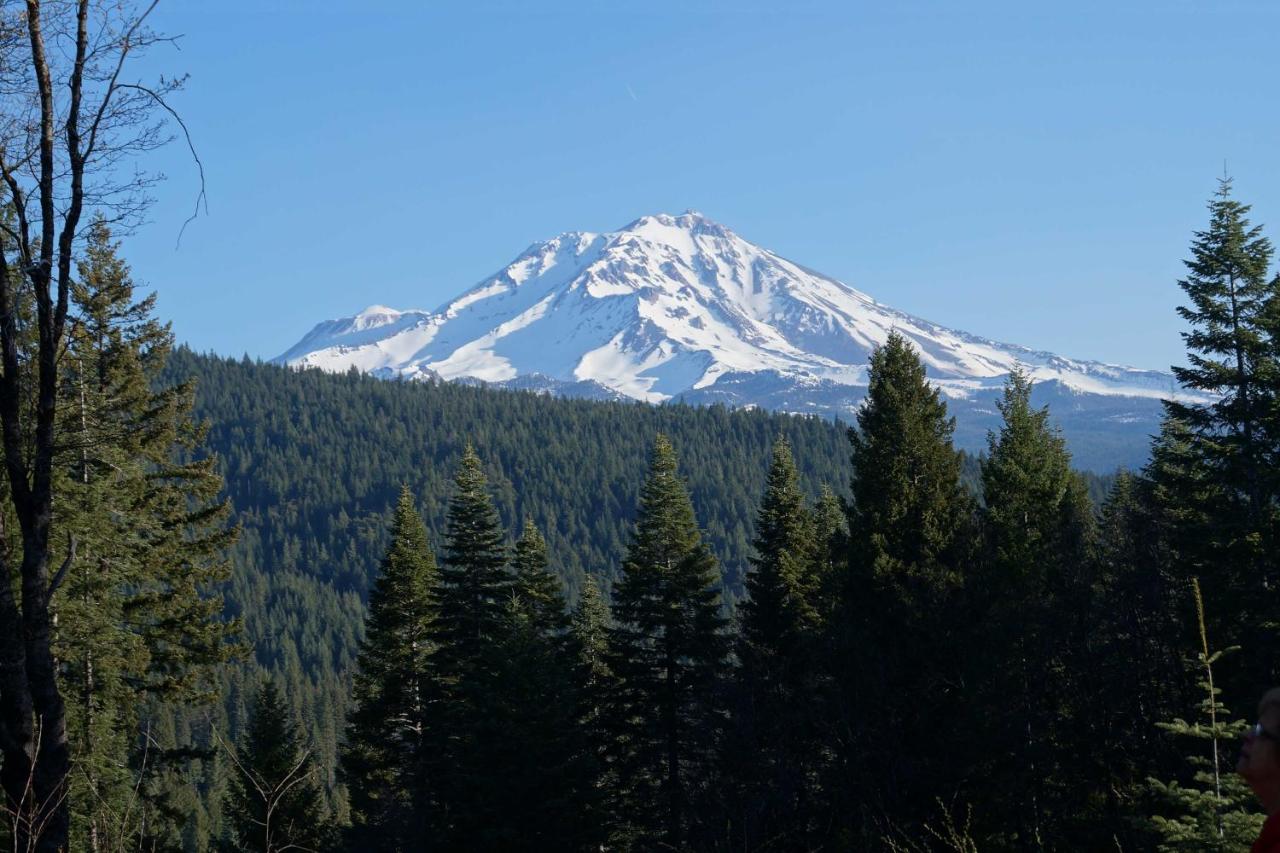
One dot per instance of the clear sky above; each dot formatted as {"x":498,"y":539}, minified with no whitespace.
{"x":1026,"y":171}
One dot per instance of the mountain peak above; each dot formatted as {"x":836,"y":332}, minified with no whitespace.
{"x":673,"y":229}
{"x":678,"y":306}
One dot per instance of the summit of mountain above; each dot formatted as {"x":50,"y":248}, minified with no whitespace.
{"x":680,"y":307}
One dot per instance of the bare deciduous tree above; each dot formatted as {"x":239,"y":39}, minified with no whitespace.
{"x":72,"y":125}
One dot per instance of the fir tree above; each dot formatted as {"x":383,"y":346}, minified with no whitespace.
{"x":1133,"y":660}
{"x":831,"y":535}
{"x":394,"y":693}
{"x":475,"y":584}
{"x":593,"y":679}
{"x":274,"y":803}
{"x":1217,"y":811}
{"x":668,"y":653}
{"x":539,"y":590}
{"x":1030,"y":595}
{"x":893,"y":650}
{"x":1227,"y":347}
{"x":1233,"y":358}
{"x":524,"y":775}
{"x":772,"y":749}
{"x":473,"y":618}
{"x":782,"y":587}
{"x":140,"y":631}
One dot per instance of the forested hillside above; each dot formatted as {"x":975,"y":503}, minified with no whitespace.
{"x":314,"y":463}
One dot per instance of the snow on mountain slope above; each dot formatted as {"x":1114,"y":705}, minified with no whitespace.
{"x":669,"y":305}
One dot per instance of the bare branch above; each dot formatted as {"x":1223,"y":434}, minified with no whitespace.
{"x":201,"y":197}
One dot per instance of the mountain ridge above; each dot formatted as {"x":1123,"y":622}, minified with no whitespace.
{"x":682,"y":308}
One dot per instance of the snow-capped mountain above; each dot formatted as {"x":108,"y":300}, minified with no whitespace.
{"x":680,"y":307}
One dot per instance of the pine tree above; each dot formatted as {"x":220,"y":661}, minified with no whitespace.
{"x":475,"y":584}
{"x":524,"y":774}
{"x":781,"y":607}
{"x":1233,"y":358}
{"x":893,"y":650}
{"x":1217,"y":811}
{"x":140,"y":632}
{"x":1030,"y":595}
{"x":831,"y":536}
{"x":394,"y":692}
{"x":274,"y":804}
{"x":593,"y":683}
{"x":1227,"y":345}
{"x":668,"y":652}
{"x":539,"y":590}
{"x":1133,"y":660}
{"x":473,"y":620}
{"x":772,"y":750}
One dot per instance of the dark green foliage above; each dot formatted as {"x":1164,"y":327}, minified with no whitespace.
{"x":668,"y":654}
{"x":540,"y":592}
{"x":1030,"y":597}
{"x":772,"y":753}
{"x":593,"y":684}
{"x":1134,"y":670}
{"x":274,"y":804}
{"x":314,"y":462}
{"x":781,"y":607}
{"x":475,"y":585}
{"x":894,"y":651}
{"x":908,"y":517}
{"x":394,"y":695}
{"x":526,"y":774}
{"x":140,"y":630}
{"x":1229,"y":290}
{"x":1216,"y":811}
{"x":1230,"y":442}
{"x":510,"y":767}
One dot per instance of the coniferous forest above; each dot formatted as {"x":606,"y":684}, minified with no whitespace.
{"x":249,"y":608}
{"x":323,"y":612}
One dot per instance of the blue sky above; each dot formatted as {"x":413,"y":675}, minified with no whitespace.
{"x":1027,"y":173}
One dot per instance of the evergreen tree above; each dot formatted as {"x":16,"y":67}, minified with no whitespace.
{"x":668,"y":652}
{"x":394,"y":692}
{"x":893,"y":649}
{"x":780,"y":609}
{"x":772,"y":751}
{"x":1133,"y":660}
{"x":139,"y":630}
{"x":524,"y":773}
{"x":274,"y":803}
{"x":593,"y":684}
{"x":1228,"y":351}
{"x":475,"y":584}
{"x":473,"y":620}
{"x":538,"y":589}
{"x":1233,"y":357}
{"x":1031,"y":595}
{"x":1217,"y":811}
{"x":831,"y":538}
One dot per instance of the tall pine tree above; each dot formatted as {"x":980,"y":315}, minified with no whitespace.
{"x":1233,"y":355}
{"x":893,"y":650}
{"x":395,"y":696}
{"x":140,"y":630}
{"x":668,"y":651}
{"x":475,"y":583}
{"x":1030,"y":596}
{"x":773,"y":749}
